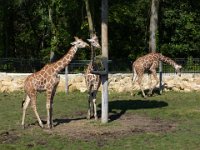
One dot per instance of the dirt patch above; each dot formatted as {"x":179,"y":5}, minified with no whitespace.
{"x":126,"y":125}
{"x":8,"y":137}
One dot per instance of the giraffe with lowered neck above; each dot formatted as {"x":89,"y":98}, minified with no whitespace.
{"x":149,"y":63}
{"x":47,"y":79}
{"x":92,"y":82}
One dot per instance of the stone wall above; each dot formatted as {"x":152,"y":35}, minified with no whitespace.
{"x":10,"y":82}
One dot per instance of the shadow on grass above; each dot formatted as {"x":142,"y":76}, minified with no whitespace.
{"x":156,"y":90}
{"x":57,"y":122}
{"x":124,"y":105}
{"x":117,"y":108}
{"x":61,"y":121}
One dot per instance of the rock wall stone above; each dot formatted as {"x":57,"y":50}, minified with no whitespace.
{"x":119,"y":82}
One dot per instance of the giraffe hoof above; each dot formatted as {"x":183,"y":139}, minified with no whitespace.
{"x":133,"y":94}
{"x":145,"y":97}
{"x":23,"y":127}
{"x":50,"y":126}
{"x":150,"y":94}
{"x":41,"y":125}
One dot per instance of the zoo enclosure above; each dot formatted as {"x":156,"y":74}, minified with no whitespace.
{"x":15,"y":65}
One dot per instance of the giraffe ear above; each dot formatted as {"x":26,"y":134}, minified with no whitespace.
{"x":94,"y":36}
{"x":73,"y":43}
{"x":76,"y":38}
{"x":90,"y":40}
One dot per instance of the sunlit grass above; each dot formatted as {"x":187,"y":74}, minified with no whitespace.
{"x":181,"y":108}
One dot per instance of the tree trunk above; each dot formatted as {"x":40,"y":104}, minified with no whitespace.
{"x":91,"y":26}
{"x":89,"y":17}
{"x":5,"y":29}
{"x":53,"y":38}
{"x":153,"y":25}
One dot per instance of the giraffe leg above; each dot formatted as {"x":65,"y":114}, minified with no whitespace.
{"x":49,"y":107}
{"x":150,"y":83}
{"x":94,"y":105}
{"x":133,"y":82}
{"x":153,"y":73}
{"x":25,"y":105}
{"x":49,"y":103}
{"x":52,"y":97}
{"x":141,"y":86}
{"x":89,"y":106}
{"x":95,"y":109}
{"x":50,"y":125}
{"x":33,"y":105}
{"x":157,"y":81}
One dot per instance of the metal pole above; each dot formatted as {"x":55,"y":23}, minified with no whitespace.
{"x":104,"y":42}
{"x":66,"y":80}
{"x":160,"y":76}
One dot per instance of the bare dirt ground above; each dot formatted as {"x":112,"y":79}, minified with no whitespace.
{"x":86,"y":130}
{"x":126,"y":125}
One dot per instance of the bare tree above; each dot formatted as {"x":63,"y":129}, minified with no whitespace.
{"x":89,"y":17}
{"x":91,"y":26}
{"x":53,"y":39}
{"x":153,"y":25}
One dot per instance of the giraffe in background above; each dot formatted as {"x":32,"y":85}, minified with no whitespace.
{"x":47,"y":79}
{"x":149,"y":63}
{"x":92,"y":81}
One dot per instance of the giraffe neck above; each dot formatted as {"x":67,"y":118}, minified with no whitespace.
{"x":89,"y":68}
{"x":168,"y":60}
{"x":65,"y":60}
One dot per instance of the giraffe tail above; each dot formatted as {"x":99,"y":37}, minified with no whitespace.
{"x":134,"y":77}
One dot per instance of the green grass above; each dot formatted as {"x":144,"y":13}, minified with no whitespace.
{"x":182,"y":108}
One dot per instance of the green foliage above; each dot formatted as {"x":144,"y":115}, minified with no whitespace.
{"x":190,"y":63}
{"x":179,"y":28}
{"x":128,"y":24}
{"x":26,"y":30}
{"x":98,"y":63}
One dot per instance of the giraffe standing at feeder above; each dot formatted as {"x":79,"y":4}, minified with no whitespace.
{"x":149,"y":63}
{"x":92,"y":82}
{"x":47,"y":79}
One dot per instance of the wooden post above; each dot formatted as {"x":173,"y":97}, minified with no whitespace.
{"x":66,"y":80}
{"x":104,"y":43}
{"x":160,"y":76}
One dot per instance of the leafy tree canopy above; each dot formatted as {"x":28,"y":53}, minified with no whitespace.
{"x":31,"y":28}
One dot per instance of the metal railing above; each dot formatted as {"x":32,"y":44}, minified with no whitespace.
{"x":189,"y":65}
{"x":20,"y":65}
{"x":15,"y":65}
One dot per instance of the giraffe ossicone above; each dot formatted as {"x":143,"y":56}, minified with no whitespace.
{"x":47,"y":79}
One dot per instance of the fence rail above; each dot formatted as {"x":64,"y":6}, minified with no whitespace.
{"x":15,"y":65}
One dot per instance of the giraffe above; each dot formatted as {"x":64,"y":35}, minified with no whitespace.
{"x":149,"y":63}
{"x":92,"y":82}
{"x":47,"y":79}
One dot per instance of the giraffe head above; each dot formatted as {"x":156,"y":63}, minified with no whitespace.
{"x":79,"y":43}
{"x":94,"y":41}
{"x":178,"y":69}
